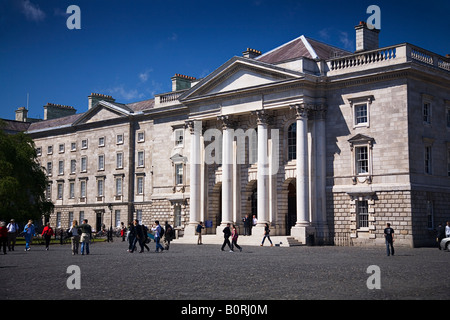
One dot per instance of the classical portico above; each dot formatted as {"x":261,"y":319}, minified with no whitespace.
{"x":232,"y":113}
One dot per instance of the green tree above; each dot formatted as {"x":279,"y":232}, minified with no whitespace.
{"x":22,"y":180}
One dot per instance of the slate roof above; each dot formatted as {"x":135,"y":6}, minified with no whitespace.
{"x":141,"y":105}
{"x":69,"y":120}
{"x":13,"y":126}
{"x":54,"y":123}
{"x":302,"y":47}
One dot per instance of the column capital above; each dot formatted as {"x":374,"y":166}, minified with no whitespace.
{"x":320,"y":111}
{"x":227,"y":122}
{"x":190,"y":124}
{"x":302,"y":110}
{"x":261,"y":116}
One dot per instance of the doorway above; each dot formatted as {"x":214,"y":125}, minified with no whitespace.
{"x":291,"y":217}
{"x":98,"y":220}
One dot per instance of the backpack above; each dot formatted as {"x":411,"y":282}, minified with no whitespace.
{"x":161,"y":232}
{"x":169,"y":231}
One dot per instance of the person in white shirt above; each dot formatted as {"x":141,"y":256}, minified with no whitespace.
{"x":13,"y":231}
{"x":75,"y":236}
{"x":447,"y":229}
{"x":157,"y":230}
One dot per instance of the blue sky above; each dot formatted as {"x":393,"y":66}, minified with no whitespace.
{"x":130,"y":49}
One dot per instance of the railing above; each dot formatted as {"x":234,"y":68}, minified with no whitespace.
{"x":169,"y":97}
{"x":389,"y":55}
{"x":341,"y":239}
{"x":363,"y":58}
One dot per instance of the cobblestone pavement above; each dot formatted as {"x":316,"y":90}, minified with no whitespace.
{"x":192,"y":272}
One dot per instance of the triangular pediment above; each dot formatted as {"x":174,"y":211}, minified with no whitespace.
{"x":236,"y":75}
{"x":103,"y":111}
{"x":361,"y":139}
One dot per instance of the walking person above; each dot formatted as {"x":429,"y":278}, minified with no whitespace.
{"x":74,"y":229}
{"x":389,"y":239}
{"x":266,"y":235}
{"x":29,"y":231}
{"x":158,"y":231}
{"x":168,"y":235}
{"x":3,"y":236}
{"x":138,"y":234}
{"x":440,"y":234}
{"x":131,"y":237}
{"x":145,"y":237}
{"x":47,"y":234}
{"x":13,"y":231}
{"x":447,"y":230}
{"x":123,"y":231}
{"x":86,"y":233}
{"x":234,"y":238}
{"x":226,"y":236}
{"x":199,"y":232}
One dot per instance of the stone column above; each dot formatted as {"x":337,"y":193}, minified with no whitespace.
{"x":321,"y":211}
{"x":300,"y":229}
{"x":227,"y":172}
{"x":262,"y":174}
{"x":195,"y":128}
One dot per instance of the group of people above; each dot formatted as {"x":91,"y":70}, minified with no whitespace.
{"x":230,"y":231}
{"x":78,"y":233}
{"x":249,"y":223}
{"x":138,"y":234}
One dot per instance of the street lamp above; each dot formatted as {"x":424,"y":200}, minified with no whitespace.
{"x":110,"y":232}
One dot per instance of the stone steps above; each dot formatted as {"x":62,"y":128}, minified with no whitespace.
{"x":278,"y":241}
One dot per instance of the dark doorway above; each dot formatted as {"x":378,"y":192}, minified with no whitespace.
{"x":254,"y":202}
{"x":291,"y":217}
{"x":98,"y":221}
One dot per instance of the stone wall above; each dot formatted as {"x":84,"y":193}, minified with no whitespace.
{"x":392,"y":207}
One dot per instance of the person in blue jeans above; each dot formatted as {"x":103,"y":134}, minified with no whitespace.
{"x":389,"y":236}
{"x":86,"y":233}
{"x":29,"y":233}
{"x":158,"y":230}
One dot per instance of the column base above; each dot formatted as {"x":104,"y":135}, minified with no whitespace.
{"x":189,"y":230}
{"x":258,"y":231}
{"x":301,"y":233}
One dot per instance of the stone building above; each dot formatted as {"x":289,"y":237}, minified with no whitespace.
{"x":310,"y":138}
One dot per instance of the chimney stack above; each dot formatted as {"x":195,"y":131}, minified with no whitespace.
{"x":181,"y":82}
{"x":251,"y":53}
{"x":22,"y":114}
{"x":54,"y":111}
{"x":96,"y":97}
{"x":366,"y":39}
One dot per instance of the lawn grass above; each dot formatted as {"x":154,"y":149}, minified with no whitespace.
{"x":41,"y":241}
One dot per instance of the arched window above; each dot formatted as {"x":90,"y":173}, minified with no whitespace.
{"x":292,"y":141}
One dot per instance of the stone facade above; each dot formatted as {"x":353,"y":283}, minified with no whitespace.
{"x":313,"y":140}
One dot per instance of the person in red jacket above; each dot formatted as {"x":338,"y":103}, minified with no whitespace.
{"x":47,"y":234}
{"x":3,"y":236}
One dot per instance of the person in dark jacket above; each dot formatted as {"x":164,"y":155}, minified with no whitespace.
{"x":131,"y":237}
{"x":247,"y":225}
{"x":139,"y":235}
{"x":266,"y":235}
{"x":227,"y":235}
{"x":440,"y":234}
{"x":389,"y":239}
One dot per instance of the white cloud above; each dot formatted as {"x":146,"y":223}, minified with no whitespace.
{"x":346,"y":42}
{"x":32,"y":12}
{"x":120,"y":92}
{"x":143,"y":76}
{"x":174,"y":37}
